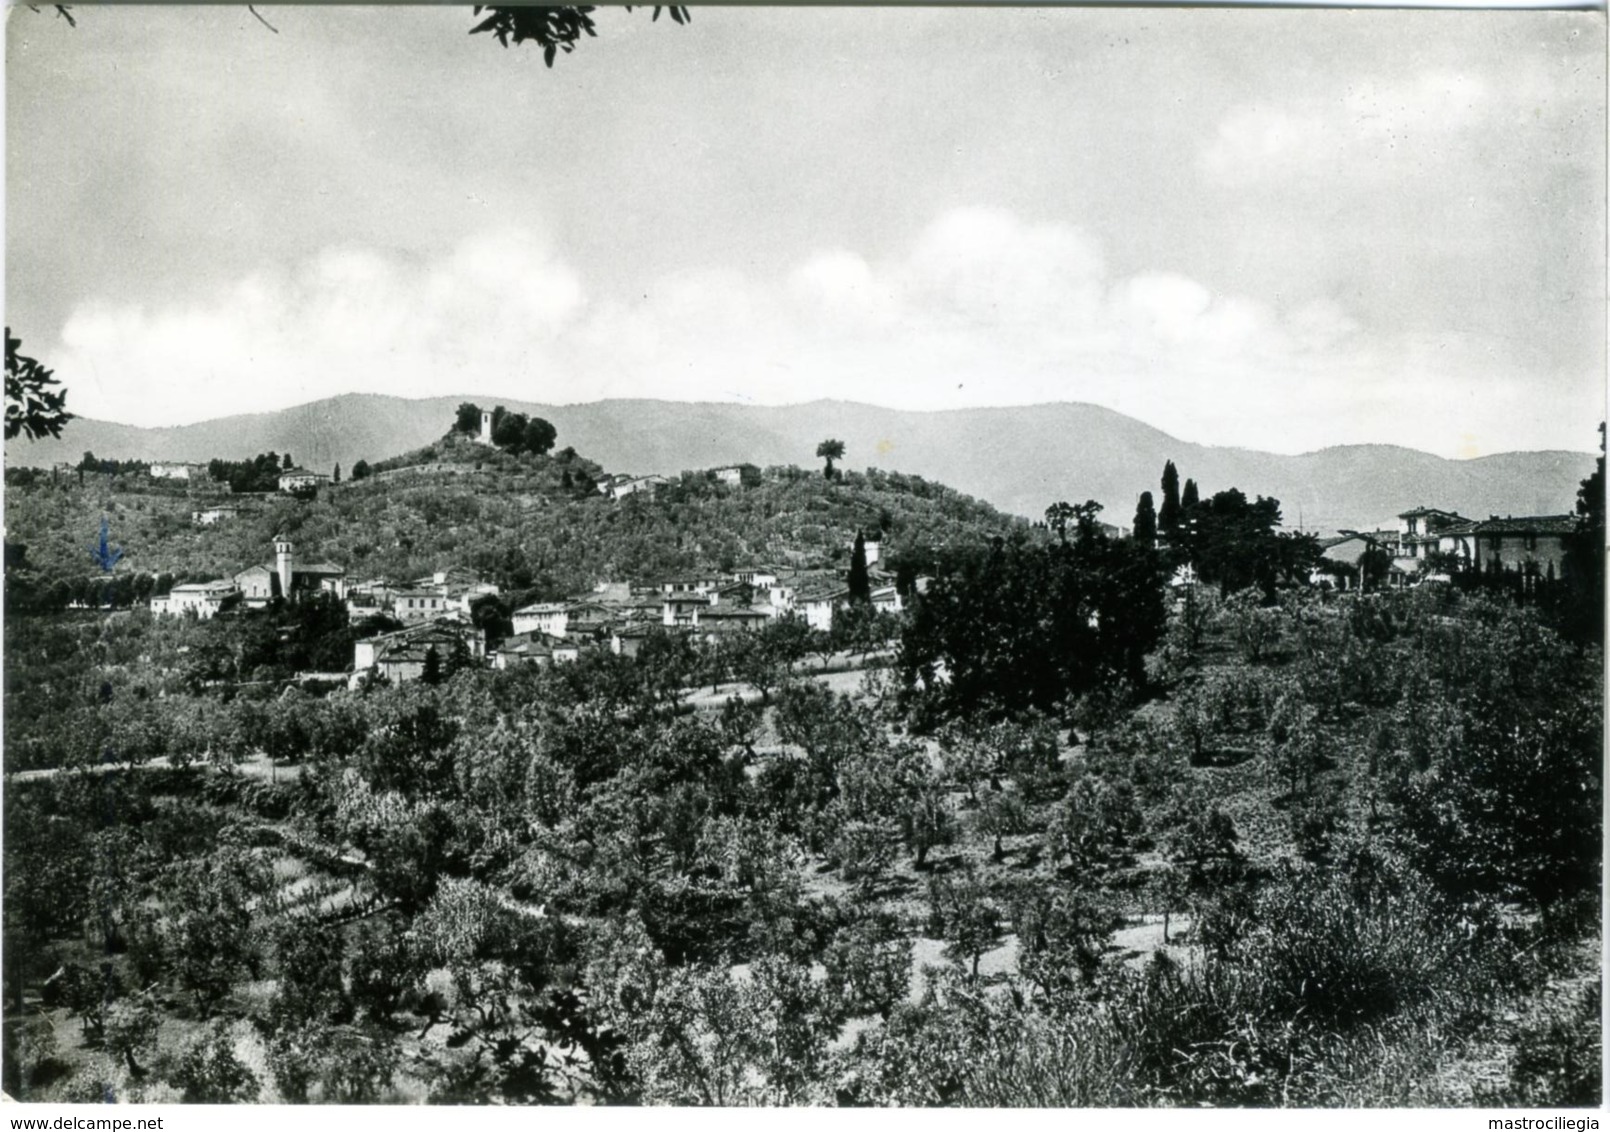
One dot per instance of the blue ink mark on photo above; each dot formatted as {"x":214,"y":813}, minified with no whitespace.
{"x":103,"y":552}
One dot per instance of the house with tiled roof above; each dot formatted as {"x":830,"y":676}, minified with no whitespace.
{"x":761,"y":577}
{"x":724,"y":619}
{"x":619,"y":486}
{"x":549,"y":618}
{"x":301,"y":479}
{"x":816,"y":599}
{"x":591,"y":619}
{"x":204,"y":599}
{"x":887,"y":599}
{"x":215,"y":513}
{"x":692,"y":583}
{"x":402,"y":655}
{"x":780,"y":598}
{"x":1459,"y":541}
{"x":454,"y":577}
{"x":683,"y":608}
{"x":627,"y":639}
{"x":176,"y":471}
{"x":420,"y":605}
{"x":1420,"y":531}
{"x":1533,"y":544}
{"x":534,"y":648}
{"x":734,"y":594}
{"x":577,"y":617}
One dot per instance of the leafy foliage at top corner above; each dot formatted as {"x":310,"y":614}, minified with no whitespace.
{"x":33,"y":407}
{"x":554,"y":29}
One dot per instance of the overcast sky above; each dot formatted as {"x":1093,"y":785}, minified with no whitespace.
{"x":1279,"y":230}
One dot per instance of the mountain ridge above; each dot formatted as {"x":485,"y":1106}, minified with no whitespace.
{"x":1020,"y":458}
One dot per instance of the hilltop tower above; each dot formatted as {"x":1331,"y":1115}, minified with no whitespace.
{"x":283,"y":564}
{"x":486,"y":428}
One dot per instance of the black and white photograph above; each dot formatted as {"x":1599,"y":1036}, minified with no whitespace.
{"x":966,"y":557}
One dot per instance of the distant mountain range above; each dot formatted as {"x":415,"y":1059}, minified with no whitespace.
{"x":1020,"y":459}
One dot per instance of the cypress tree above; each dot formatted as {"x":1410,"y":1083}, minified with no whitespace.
{"x":1186,"y":544}
{"x":1145,"y":521}
{"x":1188,"y":498}
{"x":860,"y":581}
{"x":432,"y":673}
{"x":1168,"y":519}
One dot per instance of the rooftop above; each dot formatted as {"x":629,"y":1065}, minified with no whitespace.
{"x":1423,"y":510}
{"x":1528,"y":525}
{"x":528,"y":643}
{"x":222,"y":585}
{"x":443,"y":628}
{"x":727,"y":613}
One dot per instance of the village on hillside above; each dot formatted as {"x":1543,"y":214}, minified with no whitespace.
{"x":435,"y":614}
{"x":436,"y":611}
{"x":1429,"y":548}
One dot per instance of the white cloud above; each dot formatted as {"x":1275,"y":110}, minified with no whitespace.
{"x":983,"y":308}
{"x":347,"y":320}
{"x":986,"y":265}
{"x":1357,"y":134}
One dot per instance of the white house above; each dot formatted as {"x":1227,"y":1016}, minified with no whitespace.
{"x":420,"y":605}
{"x":714,"y":622}
{"x":761,"y":577}
{"x":204,"y":599}
{"x":458,"y":589}
{"x":683,"y":608}
{"x":691,"y":584}
{"x":175,"y":471}
{"x":780,"y":598}
{"x":549,"y":618}
{"x":301,"y":479}
{"x":216,"y":514}
{"x":886,"y":599}
{"x":816,"y":604}
{"x":631,"y":485}
{"x":1420,"y":531}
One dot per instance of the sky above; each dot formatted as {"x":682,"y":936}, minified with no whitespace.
{"x":1270,"y":229}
